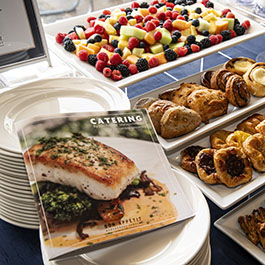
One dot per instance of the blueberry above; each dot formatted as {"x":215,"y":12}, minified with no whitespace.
{"x":174,"y":39}
{"x":177,"y":34}
{"x":186,"y":17}
{"x":195,"y":22}
{"x":117,"y":26}
{"x":165,"y":47}
{"x":114,"y":43}
{"x":184,"y":11}
{"x":198,"y":10}
{"x":97,"y":38}
{"x":90,"y":40}
{"x":205,"y":33}
{"x":141,"y":44}
{"x":119,"y":51}
{"x":210,"y":4}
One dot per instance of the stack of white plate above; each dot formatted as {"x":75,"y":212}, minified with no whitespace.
{"x":48,"y":96}
{"x":186,"y":242}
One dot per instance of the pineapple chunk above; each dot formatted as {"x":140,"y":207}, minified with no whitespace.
{"x":119,"y":14}
{"x":125,"y":53}
{"x":210,"y":17}
{"x":122,"y":44}
{"x":82,"y":47}
{"x":204,"y":13}
{"x":132,"y":22}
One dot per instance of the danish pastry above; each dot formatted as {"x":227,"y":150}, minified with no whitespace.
{"x":219,"y":79}
{"x":255,"y":79}
{"x":249,"y":125}
{"x":260,"y":128}
{"x":236,"y":91}
{"x":218,"y":139}
{"x":188,"y":158}
{"x":206,"y":78}
{"x":239,"y":65}
{"x":209,"y":103}
{"x":232,"y":166}
{"x":205,"y":166}
{"x":237,"y":138}
{"x":254,"y":148}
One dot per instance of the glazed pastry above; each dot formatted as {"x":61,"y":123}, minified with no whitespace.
{"x":188,"y":158}
{"x":209,"y":103}
{"x":260,"y":128}
{"x":249,"y":125}
{"x":179,"y":95}
{"x":218,"y":139}
{"x":156,"y":111}
{"x":236,"y":91}
{"x":178,"y":120}
{"x":219,"y":79}
{"x":206,"y":78}
{"x":205,"y":166}
{"x":255,"y":79}
{"x":239,"y":65}
{"x":144,"y":103}
{"x":261,"y":233}
{"x":232,"y":166}
{"x":254,"y":148}
{"x":237,"y":138}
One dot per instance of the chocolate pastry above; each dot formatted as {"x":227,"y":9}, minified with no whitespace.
{"x":219,"y":79}
{"x":236,"y":91}
{"x":218,"y":139}
{"x":206,"y":78}
{"x":209,"y":103}
{"x":205,"y":166}
{"x":249,"y":124}
{"x":232,"y":166}
{"x":239,"y":65}
{"x":188,"y":158}
{"x":255,"y":79}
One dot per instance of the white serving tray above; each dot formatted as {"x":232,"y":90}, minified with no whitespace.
{"x":232,"y":113}
{"x":221,"y":195}
{"x":66,"y":25}
{"x":229,"y":225}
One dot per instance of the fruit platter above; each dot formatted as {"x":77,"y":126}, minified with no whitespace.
{"x":128,"y":43}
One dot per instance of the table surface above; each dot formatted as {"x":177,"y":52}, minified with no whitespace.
{"x":19,"y":246}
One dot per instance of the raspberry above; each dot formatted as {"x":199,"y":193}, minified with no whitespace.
{"x":126,"y":62}
{"x":108,"y":47}
{"x":214,"y":40}
{"x":123,"y":20}
{"x":239,"y":29}
{"x":174,"y":14}
{"x":99,"y":29}
{"x":168,"y":4}
{"x":116,"y":75}
{"x":148,"y":18}
{"x":135,"y":5}
{"x":219,"y":37}
{"x":233,"y":33}
{"x":139,"y":18}
{"x":92,"y":59}
{"x":83,"y":55}
{"x":89,"y":19}
{"x":59,"y":37}
{"x":153,"y":62}
{"x":100,"y":65}
{"x":194,"y":47}
{"x":155,"y":2}
{"x":152,"y":10}
{"x":115,"y":59}
{"x":181,"y":17}
{"x":161,"y":15}
{"x":150,"y":26}
{"x":69,"y":45}
{"x":225,"y":11}
{"x":107,"y":72}
{"x":158,"y":36}
{"x":246,"y":24}
{"x":106,"y":12}
{"x":230,"y":15}
{"x":182,"y":51}
{"x":133,"y":42}
{"x":103,"y":57}
{"x":155,"y":21}
{"x":170,"y":55}
{"x":142,"y":64}
{"x":139,"y":26}
{"x":168,"y":25}
{"x":123,"y":69}
{"x":168,"y":14}
{"x":133,"y":69}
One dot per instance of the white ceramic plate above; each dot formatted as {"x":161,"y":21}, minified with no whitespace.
{"x":66,"y":25}
{"x":15,"y":180}
{"x":228,"y":224}
{"x":16,"y":197}
{"x":50,"y":96}
{"x":14,"y":186}
{"x":13,"y":169}
{"x":176,"y":244}
{"x":232,"y":112}
{"x":13,"y":174}
{"x":9,"y":155}
{"x":221,"y":195}
{"x":28,"y":207}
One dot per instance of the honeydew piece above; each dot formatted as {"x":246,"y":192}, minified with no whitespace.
{"x":166,"y":36}
{"x":204,"y":25}
{"x":149,"y":38}
{"x":138,"y":51}
{"x":132,"y":59}
{"x":210,"y":17}
{"x":231,"y":22}
{"x":119,"y":14}
{"x":94,"y":47}
{"x":181,"y":24}
{"x":176,"y":45}
{"x":113,"y":37}
{"x":132,"y":22}
{"x":132,"y":32}
{"x":161,"y":57}
{"x":193,"y":31}
{"x":122,"y":44}
{"x":220,"y":26}
{"x":82,"y":47}
{"x":156,"y":48}
{"x":144,"y":12}
{"x":185,"y":32}
{"x":125,"y":53}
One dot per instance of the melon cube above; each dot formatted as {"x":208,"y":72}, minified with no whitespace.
{"x":147,"y":56}
{"x":125,"y":53}
{"x":181,"y":24}
{"x":231,"y":22}
{"x":220,"y":26}
{"x":166,"y":36}
{"x":138,"y":51}
{"x":161,"y":57}
{"x":132,"y":32}
{"x":149,"y":38}
{"x":156,"y":48}
{"x":132,"y":59}
{"x":176,"y":45}
{"x":204,"y":25}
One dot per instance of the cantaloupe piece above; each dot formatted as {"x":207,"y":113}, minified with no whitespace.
{"x":149,"y":38}
{"x":161,"y":57}
{"x":82,"y":47}
{"x":93,"y":47}
{"x":144,"y":11}
{"x":181,"y":24}
{"x":220,"y":26}
{"x":132,"y":59}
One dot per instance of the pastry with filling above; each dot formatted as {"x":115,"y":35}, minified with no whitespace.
{"x":236,"y":91}
{"x":255,"y":79}
{"x":218,"y":139}
{"x":205,"y":166}
{"x":232,"y":166}
{"x":249,"y":124}
{"x":239,"y":65}
{"x":206,"y":78}
{"x":237,"y":138}
{"x":219,"y":79}
{"x":260,"y":128}
{"x":188,"y":158}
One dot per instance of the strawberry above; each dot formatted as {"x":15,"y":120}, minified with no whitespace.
{"x":89,"y":32}
{"x":246,"y":24}
{"x":225,"y":11}
{"x":108,"y":47}
{"x":106,"y":12}
{"x":135,"y":5}
{"x":99,"y":29}
{"x":230,"y":15}
{"x":158,"y":36}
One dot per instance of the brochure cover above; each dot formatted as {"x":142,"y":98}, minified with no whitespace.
{"x":98,"y":177}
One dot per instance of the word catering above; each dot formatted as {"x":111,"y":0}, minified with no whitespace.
{"x":118,"y":119}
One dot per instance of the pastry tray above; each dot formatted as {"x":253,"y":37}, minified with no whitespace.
{"x":66,"y":25}
{"x":221,"y":195}
{"x":229,"y":225}
{"x":232,"y":112}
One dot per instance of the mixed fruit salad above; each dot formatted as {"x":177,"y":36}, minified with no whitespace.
{"x":126,"y":41}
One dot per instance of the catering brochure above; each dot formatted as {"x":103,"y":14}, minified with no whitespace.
{"x":98,"y":178}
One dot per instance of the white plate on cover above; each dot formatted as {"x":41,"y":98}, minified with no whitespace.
{"x":221,"y":195}
{"x":50,"y":96}
{"x":66,"y":25}
{"x":176,"y":244}
{"x":228,"y":224}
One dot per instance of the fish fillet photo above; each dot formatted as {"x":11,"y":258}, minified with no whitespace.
{"x":98,"y":178}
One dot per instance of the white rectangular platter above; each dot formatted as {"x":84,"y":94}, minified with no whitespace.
{"x":66,"y":25}
{"x":221,"y":195}
{"x":228,"y":224}
{"x":232,"y":113}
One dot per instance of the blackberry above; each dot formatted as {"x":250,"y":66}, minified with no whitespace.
{"x":97,"y":38}
{"x":205,"y":43}
{"x":157,"y":6}
{"x":198,"y":10}
{"x":144,"y":5}
{"x":165,"y":47}
{"x":117,"y":26}
{"x":119,"y":51}
{"x":184,"y":11}
{"x":69,"y":45}
{"x":188,"y":48}
{"x":239,"y":29}
{"x":114,"y":43}
{"x":92,"y":59}
{"x":141,"y":44}
{"x":191,"y":39}
{"x":170,"y":55}
{"x":236,"y":22}
{"x":123,"y":69}
{"x":128,"y":10}
{"x":142,"y":64}
{"x":210,"y":4}
{"x":226,"y":34}
{"x":195,"y":22}
{"x":205,"y":33}
{"x":111,"y":67}
{"x":170,"y":1}
{"x":66,"y":38}
{"x":177,"y":34}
